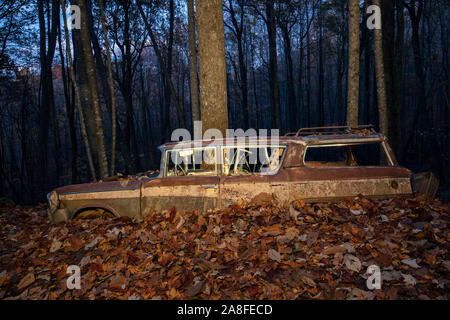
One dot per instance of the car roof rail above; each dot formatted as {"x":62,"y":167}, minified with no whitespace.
{"x":334,"y":130}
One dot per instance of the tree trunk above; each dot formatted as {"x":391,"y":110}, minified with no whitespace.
{"x":353,"y":67}
{"x":320,"y":95}
{"x":47,"y":50}
{"x":380,"y":71}
{"x":122,"y":144}
{"x":111,"y":88}
{"x":367,"y":72}
{"x":273,"y":64}
{"x":127,"y":89}
{"x":193,"y":63}
{"x":308,"y":85}
{"x":70,"y":113}
{"x":77,"y":94}
{"x":292,"y":110}
{"x":167,"y":100}
{"x":92,"y":82}
{"x":211,"y":53}
{"x":392,"y":47}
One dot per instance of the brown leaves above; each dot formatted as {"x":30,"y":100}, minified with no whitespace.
{"x":253,"y":250}
{"x":76,"y":244}
{"x":334,"y":250}
{"x":312,"y":238}
{"x":274,"y":255}
{"x":118,"y":283}
{"x":26,"y":281}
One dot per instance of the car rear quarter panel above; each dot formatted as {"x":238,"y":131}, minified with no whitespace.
{"x":314,"y":184}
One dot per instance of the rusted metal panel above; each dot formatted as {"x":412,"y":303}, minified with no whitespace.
{"x":294,"y":155}
{"x":186,"y":193}
{"x":246,"y":187}
{"x":318,"y":174}
{"x":100,"y":186}
{"x":336,"y":189}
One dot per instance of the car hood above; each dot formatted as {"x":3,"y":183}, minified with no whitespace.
{"x":102,"y":186}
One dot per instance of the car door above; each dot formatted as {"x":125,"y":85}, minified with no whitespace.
{"x":244,"y":180}
{"x":186,"y":191}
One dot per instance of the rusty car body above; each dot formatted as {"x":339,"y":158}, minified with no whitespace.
{"x":313,"y":164}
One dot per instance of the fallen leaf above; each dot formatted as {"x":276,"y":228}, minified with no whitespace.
{"x":352,"y":262}
{"x":409,"y":279}
{"x":274,"y":255}
{"x":26,"y":281}
{"x":334,"y":250}
{"x":411,"y":262}
{"x":312,"y":238}
{"x":55,"y":246}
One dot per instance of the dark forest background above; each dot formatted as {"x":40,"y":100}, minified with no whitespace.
{"x":286,"y":67}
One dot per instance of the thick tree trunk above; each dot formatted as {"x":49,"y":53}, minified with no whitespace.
{"x":92,"y":82}
{"x":193,"y":66}
{"x":211,"y":53}
{"x":77,"y":94}
{"x":353,"y":67}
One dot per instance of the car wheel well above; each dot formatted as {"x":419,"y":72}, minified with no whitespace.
{"x":90,"y":212}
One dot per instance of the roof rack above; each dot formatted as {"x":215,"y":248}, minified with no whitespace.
{"x":364,"y":129}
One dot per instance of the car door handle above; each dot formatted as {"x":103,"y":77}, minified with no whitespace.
{"x":210,"y":187}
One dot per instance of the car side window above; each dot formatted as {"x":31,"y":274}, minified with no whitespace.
{"x":346,"y":155}
{"x":190,"y":162}
{"x":242,"y":160}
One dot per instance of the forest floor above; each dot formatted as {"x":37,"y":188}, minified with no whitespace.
{"x":247,"y":251}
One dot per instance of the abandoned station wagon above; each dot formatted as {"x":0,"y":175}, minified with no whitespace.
{"x":313,"y":164}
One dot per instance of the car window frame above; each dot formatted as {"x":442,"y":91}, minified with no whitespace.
{"x":250,"y":146}
{"x":166,"y":155}
{"x":391,"y":163}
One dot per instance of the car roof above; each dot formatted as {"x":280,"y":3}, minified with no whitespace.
{"x":304,"y":140}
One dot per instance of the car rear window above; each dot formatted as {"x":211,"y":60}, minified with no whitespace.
{"x":346,"y":155}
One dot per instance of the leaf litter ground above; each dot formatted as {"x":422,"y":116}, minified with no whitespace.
{"x":253,"y":250}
